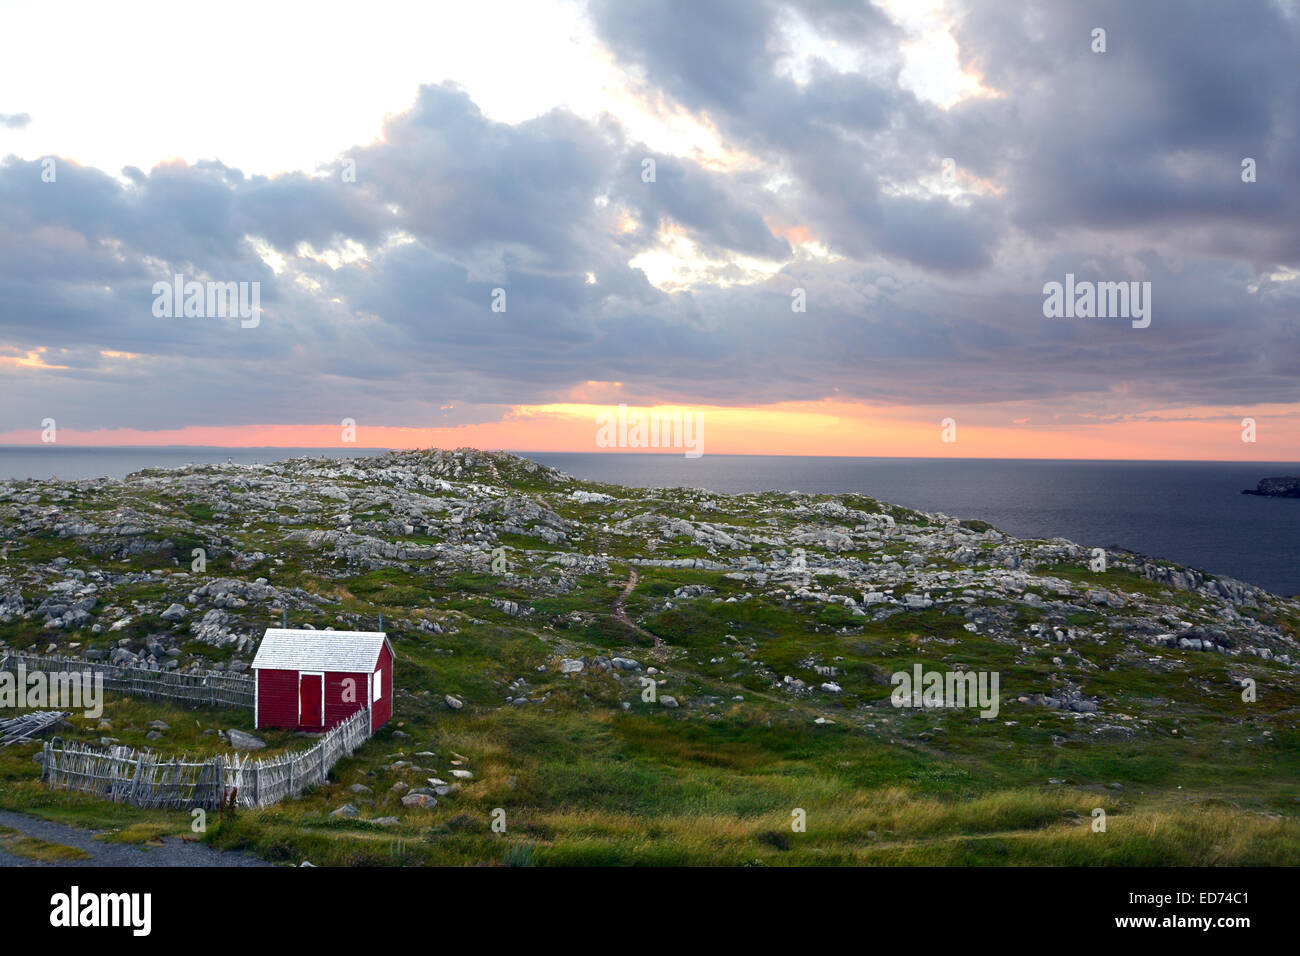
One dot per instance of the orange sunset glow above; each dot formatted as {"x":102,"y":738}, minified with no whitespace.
{"x":812,"y":428}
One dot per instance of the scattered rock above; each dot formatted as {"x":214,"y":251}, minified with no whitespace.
{"x":244,"y":741}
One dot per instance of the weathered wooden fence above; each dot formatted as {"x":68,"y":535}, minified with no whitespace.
{"x":17,"y":730}
{"x":145,"y":779}
{"x":264,"y":782}
{"x":142,"y":779}
{"x":202,"y":688}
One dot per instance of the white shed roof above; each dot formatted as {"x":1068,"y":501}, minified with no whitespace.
{"x":308,"y":650}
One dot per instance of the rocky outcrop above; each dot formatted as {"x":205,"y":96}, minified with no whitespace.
{"x":1286,"y":487}
{"x":253,"y":542}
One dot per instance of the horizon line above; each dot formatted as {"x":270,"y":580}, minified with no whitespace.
{"x":614,"y":453}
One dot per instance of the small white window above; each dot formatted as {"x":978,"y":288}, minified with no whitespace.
{"x":377,"y":682}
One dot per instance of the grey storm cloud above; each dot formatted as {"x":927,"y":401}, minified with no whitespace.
{"x":1151,"y":132}
{"x":722,"y":214}
{"x":1114,"y":166}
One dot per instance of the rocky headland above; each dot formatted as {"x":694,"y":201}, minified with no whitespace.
{"x":543,"y":622}
{"x":1285,"y":487}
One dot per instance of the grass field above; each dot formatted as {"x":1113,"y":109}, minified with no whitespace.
{"x":587,"y":772}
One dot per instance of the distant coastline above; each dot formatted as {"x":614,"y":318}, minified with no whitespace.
{"x":75,"y":462}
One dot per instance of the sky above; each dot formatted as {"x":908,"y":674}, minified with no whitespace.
{"x":815,"y":227}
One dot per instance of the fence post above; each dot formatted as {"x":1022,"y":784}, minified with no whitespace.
{"x":136,"y":782}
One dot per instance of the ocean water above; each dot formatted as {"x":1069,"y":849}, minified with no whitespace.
{"x":70,"y":461}
{"x":1189,"y":512}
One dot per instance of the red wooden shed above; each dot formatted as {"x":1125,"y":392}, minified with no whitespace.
{"x":314,"y":680}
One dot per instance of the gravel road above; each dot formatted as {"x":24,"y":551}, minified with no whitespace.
{"x":172,"y":853}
